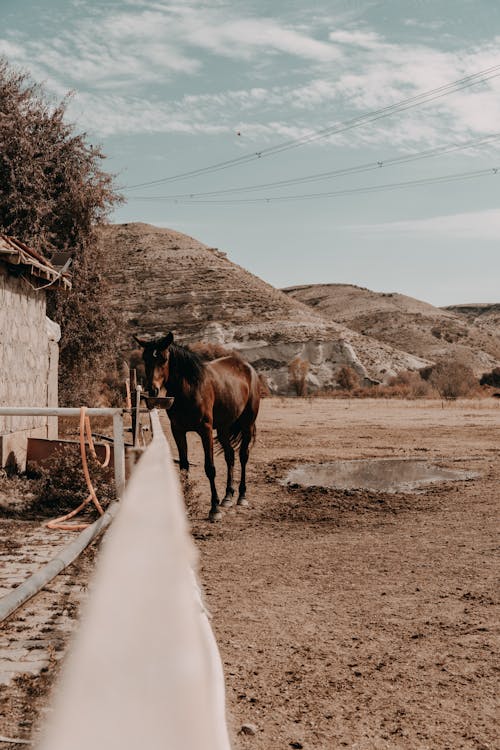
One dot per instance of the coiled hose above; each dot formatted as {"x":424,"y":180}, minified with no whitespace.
{"x":60,"y":523}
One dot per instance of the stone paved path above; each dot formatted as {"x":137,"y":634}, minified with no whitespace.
{"x":38,"y":631}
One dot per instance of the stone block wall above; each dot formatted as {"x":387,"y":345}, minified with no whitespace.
{"x":28,"y":363}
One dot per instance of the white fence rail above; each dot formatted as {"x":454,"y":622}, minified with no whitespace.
{"x":144,"y":670}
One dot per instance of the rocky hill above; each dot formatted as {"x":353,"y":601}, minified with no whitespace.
{"x":470,"y":333}
{"x":163,"y":280}
{"x":482,"y":315}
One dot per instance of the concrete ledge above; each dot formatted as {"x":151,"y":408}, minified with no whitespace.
{"x":14,"y":446}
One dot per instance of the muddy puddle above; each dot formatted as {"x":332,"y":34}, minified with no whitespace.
{"x":377,"y":475}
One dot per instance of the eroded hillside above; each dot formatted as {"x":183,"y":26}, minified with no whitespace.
{"x":481,"y":315}
{"x":471,"y":335}
{"x":163,"y":280}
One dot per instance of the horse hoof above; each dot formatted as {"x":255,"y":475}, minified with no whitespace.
{"x":227,"y":502}
{"x":243,"y":502}
{"x":216,"y":516}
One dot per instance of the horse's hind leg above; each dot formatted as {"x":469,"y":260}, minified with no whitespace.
{"x":246,"y":439}
{"x":229,"y":456}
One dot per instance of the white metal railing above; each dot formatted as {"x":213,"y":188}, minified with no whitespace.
{"x":144,"y":670}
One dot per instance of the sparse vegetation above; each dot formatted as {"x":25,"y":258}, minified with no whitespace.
{"x":297,"y":375}
{"x":453,"y":379}
{"x":447,"y":379}
{"x":53,"y":195}
{"x":411,"y":385}
{"x":491,"y":378}
{"x":61,"y":485}
{"x":347,"y":378}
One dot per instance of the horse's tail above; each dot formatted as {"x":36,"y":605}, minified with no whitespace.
{"x":245,"y":423}
{"x":241,"y":424}
{"x":236,"y":433}
{"x":238,"y":428}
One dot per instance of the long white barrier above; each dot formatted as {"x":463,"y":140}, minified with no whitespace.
{"x":144,"y":670}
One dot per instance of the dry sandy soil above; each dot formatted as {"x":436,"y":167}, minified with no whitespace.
{"x":360,"y":620}
{"x":351,"y":619}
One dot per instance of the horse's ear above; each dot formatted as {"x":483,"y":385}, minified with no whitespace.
{"x":141,"y":342}
{"x":166,"y":341}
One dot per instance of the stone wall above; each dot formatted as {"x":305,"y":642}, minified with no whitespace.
{"x":28,"y":364}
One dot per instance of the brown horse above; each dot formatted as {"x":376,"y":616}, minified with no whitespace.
{"x":222,"y":394}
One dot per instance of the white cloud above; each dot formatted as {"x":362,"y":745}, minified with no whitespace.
{"x":205,"y":114}
{"x":356,"y":37}
{"x":119,"y":60}
{"x":11,"y":49}
{"x":149,"y":41}
{"x":479,"y":225}
{"x":246,"y":37}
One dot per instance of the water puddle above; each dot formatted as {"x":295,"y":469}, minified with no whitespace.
{"x":377,"y":475}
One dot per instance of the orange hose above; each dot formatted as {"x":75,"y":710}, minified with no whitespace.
{"x":59,"y":523}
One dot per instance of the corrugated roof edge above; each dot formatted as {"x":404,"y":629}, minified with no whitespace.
{"x":13,"y":252}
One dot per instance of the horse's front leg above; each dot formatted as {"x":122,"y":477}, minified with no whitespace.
{"x":180,"y":440}
{"x":207,"y":439}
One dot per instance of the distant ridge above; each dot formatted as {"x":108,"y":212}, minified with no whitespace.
{"x":470,"y":333}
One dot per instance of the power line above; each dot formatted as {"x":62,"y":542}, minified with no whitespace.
{"x":357,"y":169}
{"x":331,"y":194}
{"x":372,"y":116}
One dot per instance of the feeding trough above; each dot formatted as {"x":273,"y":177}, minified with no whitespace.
{"x":157,"y":402}
{"x":377,"y":475}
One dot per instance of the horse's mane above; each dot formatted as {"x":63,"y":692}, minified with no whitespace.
{"x":185,"y":364}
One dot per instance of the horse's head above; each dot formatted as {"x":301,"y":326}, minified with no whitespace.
{"x":156,"y":357}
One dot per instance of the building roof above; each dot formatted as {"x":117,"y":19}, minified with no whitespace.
{"x":25,"y":260}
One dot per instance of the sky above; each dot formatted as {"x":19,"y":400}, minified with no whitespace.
{"x":390,"y":170}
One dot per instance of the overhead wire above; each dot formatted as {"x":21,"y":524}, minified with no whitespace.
{"x":337,"y":193}
{"x":403,"y":105}
{"x":319,"y":176}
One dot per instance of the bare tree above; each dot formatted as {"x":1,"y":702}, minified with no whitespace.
{"x":297,"y":375}
{"x":347,"y":378}
{"x":453,"y":379}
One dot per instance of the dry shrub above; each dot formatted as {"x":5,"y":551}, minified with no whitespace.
{"x":491,"y":378}
{"x":347,"y":378}
{"x":297,"y":374}
{"x":264,"y":390}
{"x":404,"y":385}
{"x":53,"y":195}
{"x":453,"y":379}
{"x":136,"y":361}
{"x":61,"y":482}
{"x":409,"y":384}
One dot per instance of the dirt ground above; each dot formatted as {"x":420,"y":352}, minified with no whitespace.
{"x":350,"y":618}
{"x":357,"y":619}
